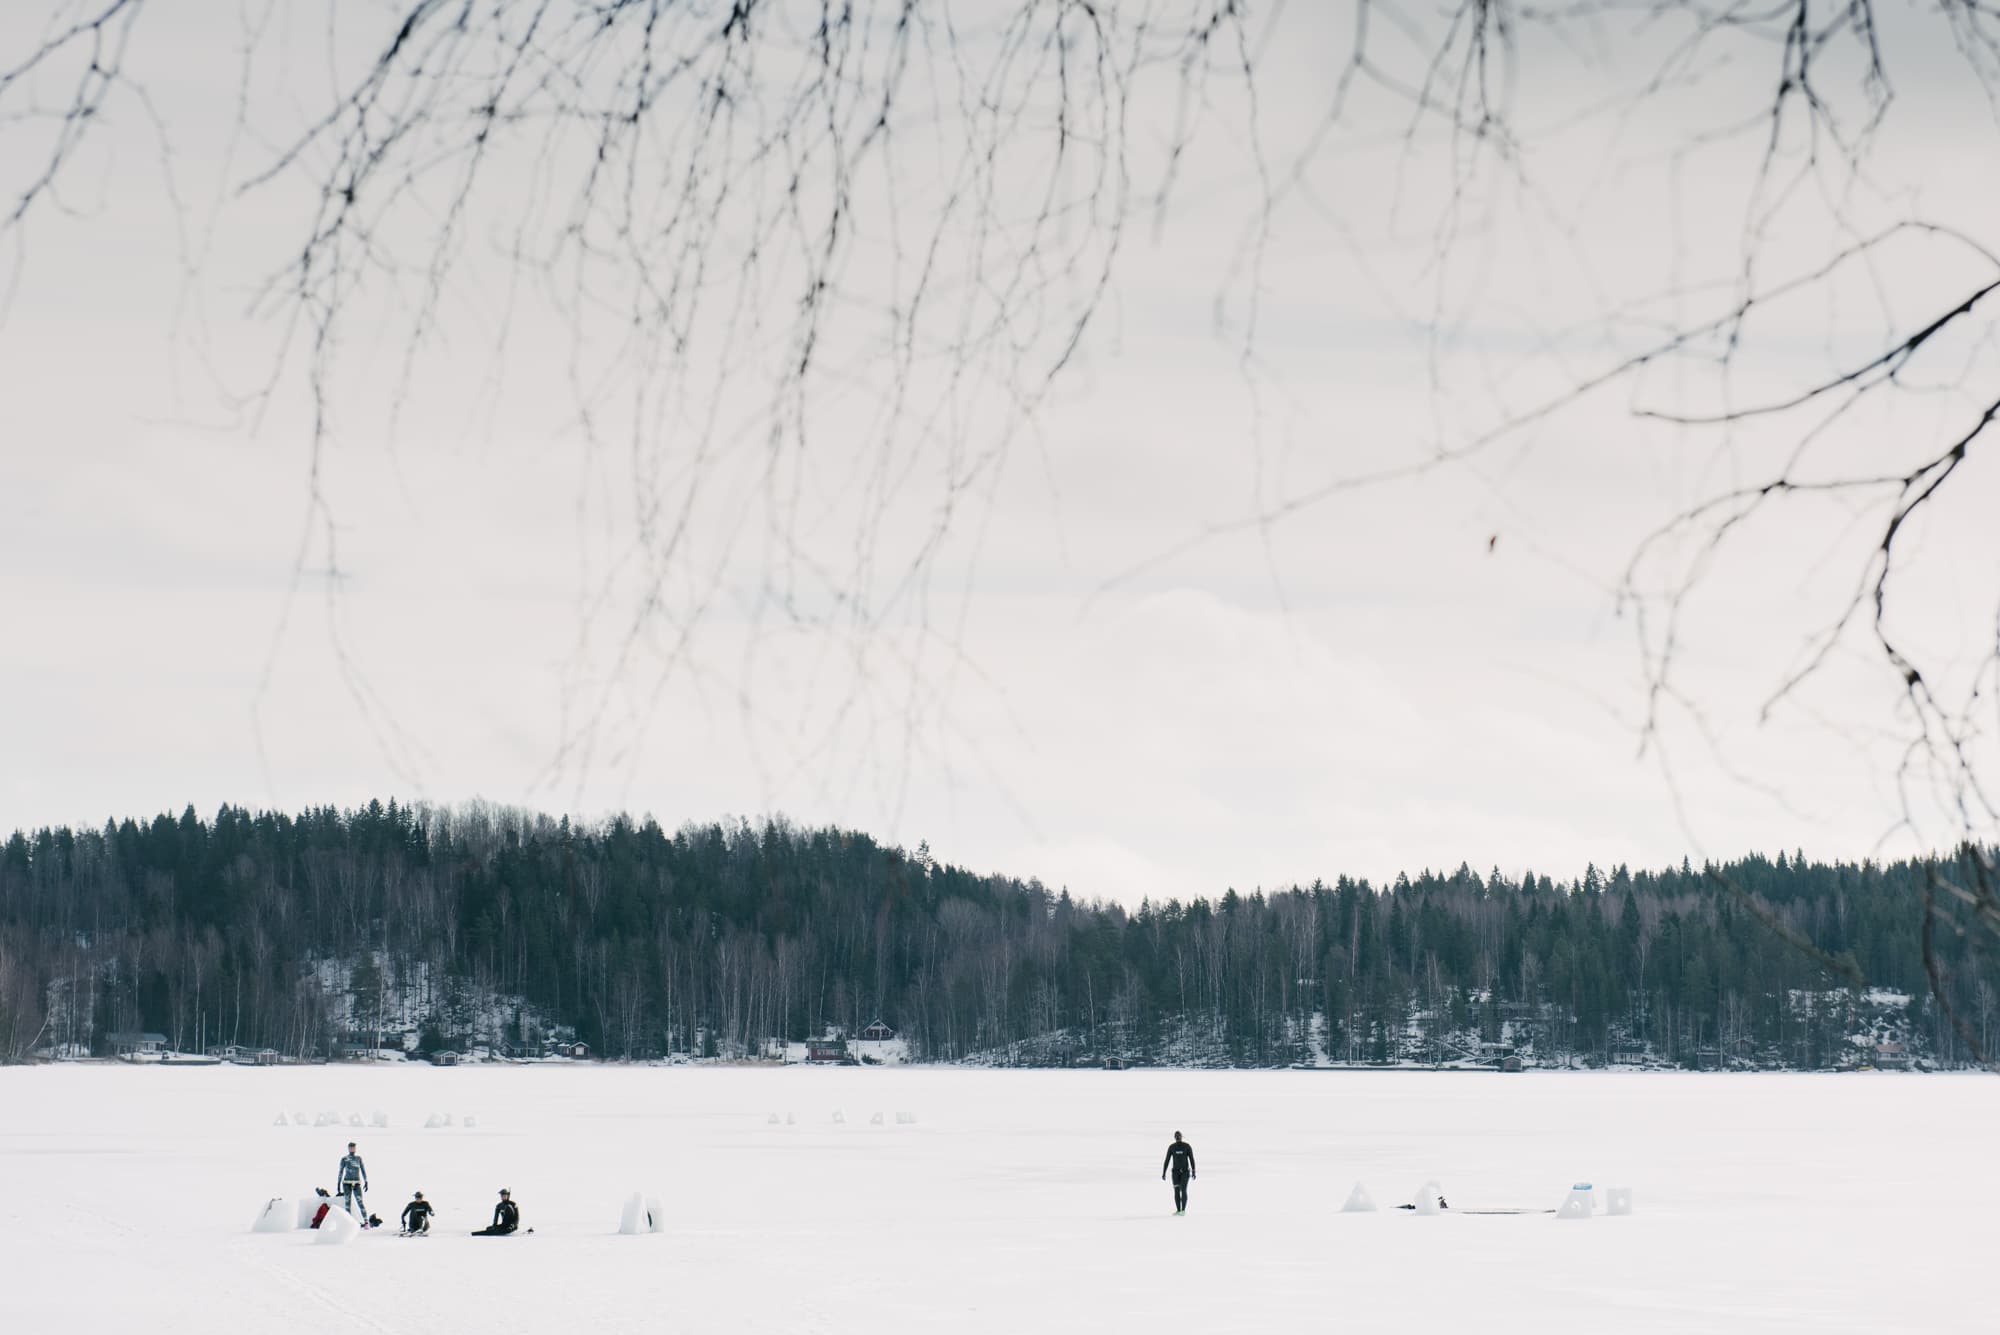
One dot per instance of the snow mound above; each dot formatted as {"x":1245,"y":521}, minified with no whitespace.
{"x":336,"y":1228}
{"x":282,"y":1120}
{"x":839,"y":1117}
{"x":278,"y":1216}
{"x":1617,"y":1200}
{"x":641,"y":1215}
{"x":1577,"y":1204}
{"x":1358,"y":1201}
{"x":1429,"y":1197}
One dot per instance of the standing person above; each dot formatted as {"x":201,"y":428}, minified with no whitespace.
{"x":353,"y":1179}
{"x":506,"y":1218}
{"x":1180,"y":1158}
{"x":417,"y":1216}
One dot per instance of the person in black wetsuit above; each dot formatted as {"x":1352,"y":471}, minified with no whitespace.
{"x":417,"y":1215}
{"x":506,"y":1218}
{"x":1180,"y":1158}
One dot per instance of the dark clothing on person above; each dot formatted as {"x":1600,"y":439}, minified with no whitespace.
{"x":1180,"y":1159}
{"x":417,"y":1217}
{"x":506,"y":1218}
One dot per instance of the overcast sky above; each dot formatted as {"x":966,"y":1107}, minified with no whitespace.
{"x":1112,"y":674}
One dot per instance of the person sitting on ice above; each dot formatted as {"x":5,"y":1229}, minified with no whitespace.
{"x":506,"y":1218}
{"x":353,"y":1180}
{"x":417,"y":1216}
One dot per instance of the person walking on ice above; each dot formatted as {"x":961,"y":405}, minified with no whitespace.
{"x":506,"y":1218}
{"x":353,"y":1180}
{"x":1180,"y":1159}
{"x":417,"y":1216}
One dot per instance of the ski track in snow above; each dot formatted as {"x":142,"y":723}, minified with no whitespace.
{"x":1018,"y":1201}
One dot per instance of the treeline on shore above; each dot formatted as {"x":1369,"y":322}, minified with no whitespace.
{"x":295,"y":933}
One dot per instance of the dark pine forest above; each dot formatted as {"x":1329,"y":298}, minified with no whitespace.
{"x":481,"y":925}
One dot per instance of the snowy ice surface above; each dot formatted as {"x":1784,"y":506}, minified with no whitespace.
{"x":1020,"y":1201}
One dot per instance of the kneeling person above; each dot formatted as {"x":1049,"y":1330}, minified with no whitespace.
{"x":506,"y":1218}
{"x":417,"y":1216}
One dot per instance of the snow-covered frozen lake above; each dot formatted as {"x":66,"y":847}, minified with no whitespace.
{"x":1018,"y":1201}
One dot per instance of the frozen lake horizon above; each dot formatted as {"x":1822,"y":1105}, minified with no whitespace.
{"x":1016,"y":1199}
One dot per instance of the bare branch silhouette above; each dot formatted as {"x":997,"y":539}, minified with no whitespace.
{"x":774,"y":222}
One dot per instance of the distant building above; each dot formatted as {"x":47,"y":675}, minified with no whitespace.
{"x":826,"y":1050}
{"x":1892,"y":1056}
{"x":137,"y":1045}
{"x":1628,"y":1054}
{"x":242,"y":1054}
{"x":878,"y":1032}
{"x":1114,"y":1063}
{"x":444,"y":1059}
